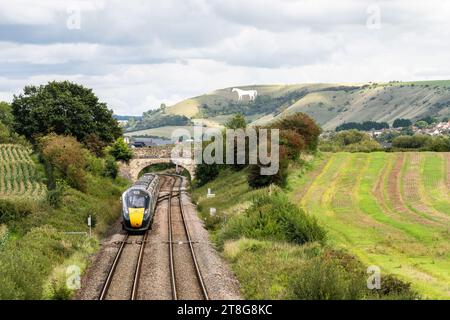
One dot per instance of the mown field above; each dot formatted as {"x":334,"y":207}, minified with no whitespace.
{"x":389,"y":209}
{"x":18,"y":175}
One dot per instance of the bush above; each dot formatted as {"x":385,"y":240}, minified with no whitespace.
{"x":351,"y":141}
{"x":120,"y":151}
{"x":304,"y":126}
{"x":401,"y":123}
{"x":411,"y":142}
{"x":14,"y":210}
{"x":273,"y":217}
{"x":54,"y":196}
{"x":364,"y":126}
{"x":25,"y":264}
{"x":67,"y":158}
{"x":205,"y":173}
{"x":111,"y":169}
{"x":323,"y":278}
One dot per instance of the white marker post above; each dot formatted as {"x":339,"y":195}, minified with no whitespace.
{"x":212,"y":212}
{"x":89,"y":222}
{"x":209,"y":194}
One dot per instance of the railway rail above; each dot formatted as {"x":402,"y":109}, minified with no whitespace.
{"x":182,"y":265}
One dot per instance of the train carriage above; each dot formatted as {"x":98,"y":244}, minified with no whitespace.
{"x":139,"y":203}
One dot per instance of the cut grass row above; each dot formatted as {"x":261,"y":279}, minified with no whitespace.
{"x":379,"y":208}
{"x":18,"y":176}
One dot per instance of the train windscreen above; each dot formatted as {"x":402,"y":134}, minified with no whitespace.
{"x":137,"y":199}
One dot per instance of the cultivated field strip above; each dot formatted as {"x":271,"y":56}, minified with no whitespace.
{"x":390,"y":209}
{"x":18,"y":177}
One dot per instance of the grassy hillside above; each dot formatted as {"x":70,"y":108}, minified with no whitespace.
{"x":389,"y":209}
{"x":329,"y":104}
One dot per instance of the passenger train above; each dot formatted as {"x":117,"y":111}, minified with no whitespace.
{"x":139,"y":202}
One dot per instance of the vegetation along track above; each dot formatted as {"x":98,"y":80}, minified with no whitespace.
{"x":186,"y":282}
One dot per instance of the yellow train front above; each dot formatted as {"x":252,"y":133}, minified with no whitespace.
{"x":139,"y":202}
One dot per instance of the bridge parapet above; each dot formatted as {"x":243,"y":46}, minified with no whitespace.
{"x":153,"y":152}
{"x":144,"y":157}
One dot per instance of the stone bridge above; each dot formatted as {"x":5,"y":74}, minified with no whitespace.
{"x":144,"y":157}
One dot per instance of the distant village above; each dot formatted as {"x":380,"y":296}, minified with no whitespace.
{"x":434,"y":129}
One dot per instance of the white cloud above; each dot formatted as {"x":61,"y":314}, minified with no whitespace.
{"x":137,"y":54}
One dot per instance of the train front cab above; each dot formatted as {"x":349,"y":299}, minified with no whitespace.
{"x":137,"y":210}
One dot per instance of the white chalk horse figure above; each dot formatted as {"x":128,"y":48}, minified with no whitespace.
{"x":242,"y":93}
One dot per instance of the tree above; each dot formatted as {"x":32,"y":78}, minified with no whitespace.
{"x":7,"y":134}
{"x":120,"y":150}
{"x":256,"y":180}
{"x":401,"y":123}
{"x":6,"y":116}
{"x":205,"y":173}
{"x":422,"y":124}
{"x":304,"y":125}
{"x":428,"y":120}
{"x":64,"y":108}
{"x":236,"y":122}
{"x":65,"y":158}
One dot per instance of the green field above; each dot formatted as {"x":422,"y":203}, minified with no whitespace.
{"x":18,"y":176}
{"x":389,"y":209}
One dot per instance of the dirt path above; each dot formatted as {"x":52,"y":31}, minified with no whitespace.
{"x":155,"y":277}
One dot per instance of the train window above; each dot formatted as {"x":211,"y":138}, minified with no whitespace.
{"x":137,"y":200}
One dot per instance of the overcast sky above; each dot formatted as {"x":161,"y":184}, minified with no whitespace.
{"x":139,"y":54}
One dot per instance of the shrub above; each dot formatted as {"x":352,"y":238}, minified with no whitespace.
{"x":322,"y":278}
{"x":350,"y":140}
{"x":54,"y":196}
{"x":205,"y":173}
{"x":293,"y":142}
{"x":14,"y":210}
{"x":273,"y":217}
{"x":111,"y":169}
{"x":302,"y":124}
{"x":120,"y":151}
{"x":393,"y":288}
{"x":400,"y":123}
{"x":236,"y":122}
{"x":67,"y":157}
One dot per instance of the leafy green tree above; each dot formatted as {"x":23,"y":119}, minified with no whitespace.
{"x":401,"y":123}
{"x":120,"y":150}
{"x":205,"y":173}
{"x":7,"y":134}
{"x":65,"y":158}
{"x":111,"y":169}
{"x":236,"y":122}
{"x":64,"y":108}
{"x":302,"y":124}
{"x":428,"y":119}
{"x":6,"y":116}
{"x":422,"y":124}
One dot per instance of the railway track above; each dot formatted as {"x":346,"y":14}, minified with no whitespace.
{"x":186,"y":281}
{"x":184,"y":268}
